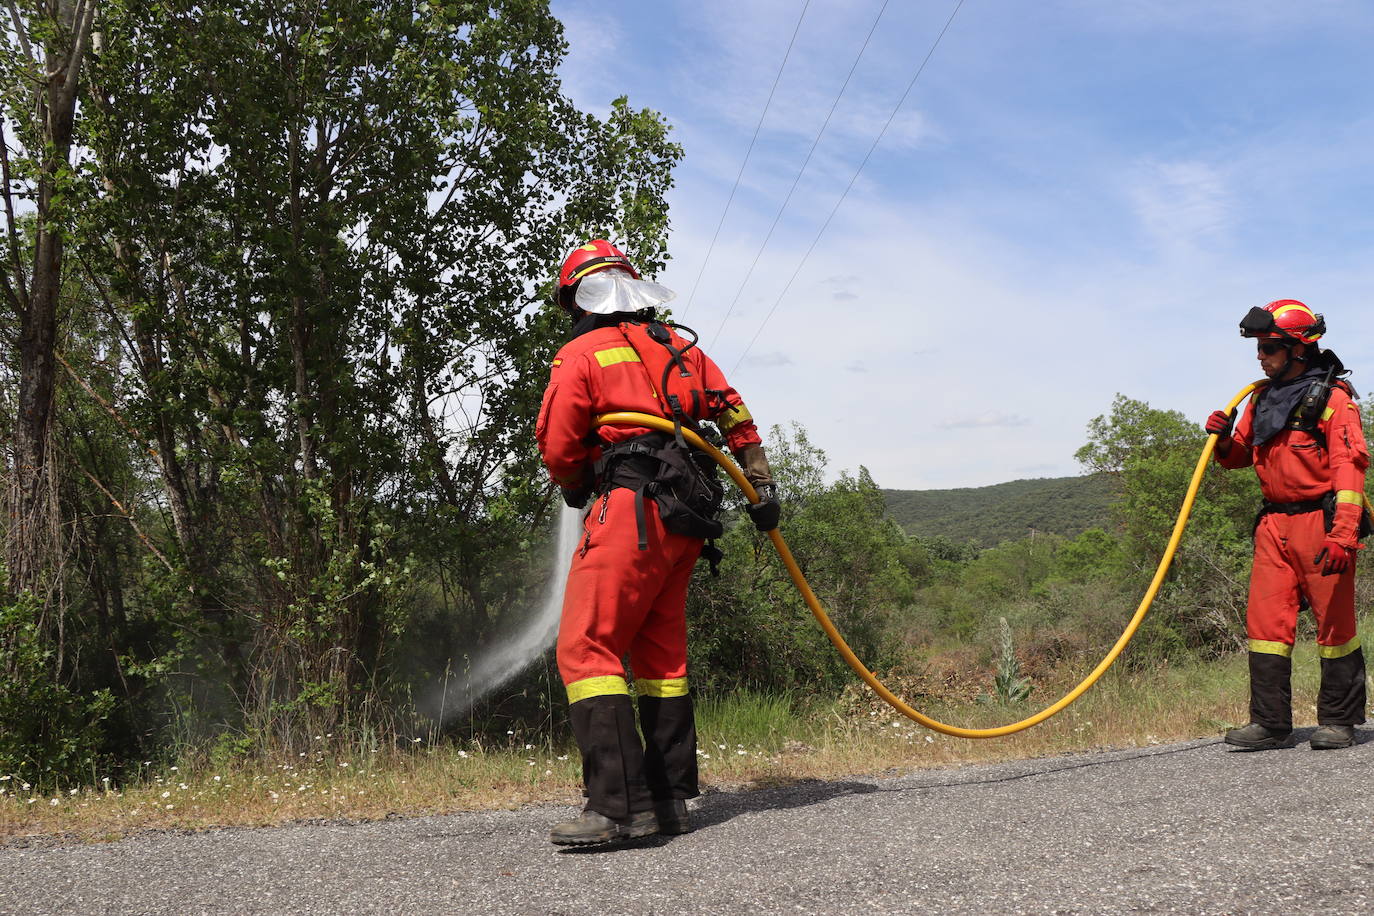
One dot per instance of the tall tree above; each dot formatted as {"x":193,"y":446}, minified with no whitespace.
{"x":45,"y":47}
{"x":328,"y":249}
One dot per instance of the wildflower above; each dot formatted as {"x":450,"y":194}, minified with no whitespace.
{"x":742,"y":753}
{"x":165,"y":794}
{"x":5,"y":778}
{"x":170,"y":807}
{"x":344,"y":764}
{"x":462,"y":753}
{"x":415,"y":740}
{"x":54,"y":802}
{"x":529,"y":747}
{"x":72,"y":792}
{"x":548,"y":772}
{"x":274,"y":795}
{"x":930,"y":739}
{"x":217,"y":779}
{"x":26,"y":787}
{"x":174,"y":769}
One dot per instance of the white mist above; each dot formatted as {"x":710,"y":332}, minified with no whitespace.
{"x":505,"y":659}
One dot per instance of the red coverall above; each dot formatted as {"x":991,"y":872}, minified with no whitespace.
{"x":1294,"y":467}
{"x":620,"y":599}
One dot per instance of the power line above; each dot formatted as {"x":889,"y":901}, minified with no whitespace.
{"x":747,"y":153}
{"x":801,"y":171}
{"x":867,"y":156}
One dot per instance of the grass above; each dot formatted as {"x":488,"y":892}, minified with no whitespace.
{"x":745,"y":741}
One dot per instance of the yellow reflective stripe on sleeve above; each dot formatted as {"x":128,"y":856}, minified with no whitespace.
{"x":557,"y":363}
{"x":608,"y":686}
{"x":732,"y":417}
{"x":1350,"y":496}
{"x":1266,"y":647}
{"x":616,"y":355}
{"x":1326,"y":414}
{"x":1339,"y":651}
{"x":671,"y":687}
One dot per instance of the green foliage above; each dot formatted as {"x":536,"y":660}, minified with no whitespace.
{"x":49,"y":734}
{"x":751,"y":629}
{"x":987,"y":516}
{"x":306,"y":317}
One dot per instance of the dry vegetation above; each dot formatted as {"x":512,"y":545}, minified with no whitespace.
{"x":746,"y":742}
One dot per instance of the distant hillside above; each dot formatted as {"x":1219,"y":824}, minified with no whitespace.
{"x":1005,"y":511}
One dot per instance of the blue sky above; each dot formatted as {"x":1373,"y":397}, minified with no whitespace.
{"x":1077,"y":199}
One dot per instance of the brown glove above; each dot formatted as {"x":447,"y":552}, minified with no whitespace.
{"x":754,"y":463}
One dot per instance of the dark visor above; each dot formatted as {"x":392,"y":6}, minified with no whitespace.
{"x":1256,"y":322}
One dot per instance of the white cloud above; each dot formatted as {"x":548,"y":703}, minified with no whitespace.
{"x":1181,"y":204}
{"x":985,"y":420}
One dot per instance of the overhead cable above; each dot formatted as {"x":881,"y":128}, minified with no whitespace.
{"x":801,"y":171}
{"x":747,"y":153}
{"x":845,"y":193}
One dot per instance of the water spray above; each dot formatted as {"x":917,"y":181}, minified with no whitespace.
{"x":512,"y":654}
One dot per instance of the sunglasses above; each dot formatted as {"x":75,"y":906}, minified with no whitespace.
{"x":1270,"y":347}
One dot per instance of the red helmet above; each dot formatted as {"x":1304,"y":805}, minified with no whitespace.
{"x":596,"y":255}
{"x":1284,"y":319}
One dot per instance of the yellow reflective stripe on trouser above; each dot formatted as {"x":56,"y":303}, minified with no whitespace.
{"x":608,"y":686}
{"x":1339,"y":651}
{"x":669,"y":687}
{"x":732,"y":417}
{"x":1271,"y":648}
{"x":616,"y":355}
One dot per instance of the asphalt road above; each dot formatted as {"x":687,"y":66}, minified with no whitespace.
{"x":1186,"y":828}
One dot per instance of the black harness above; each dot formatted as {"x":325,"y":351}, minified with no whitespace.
{"x":1307,"y":417}
{"x":664,"y":468}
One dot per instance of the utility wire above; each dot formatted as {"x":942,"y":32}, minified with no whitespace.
{"x":801,"y":171}
{"x":747,"y":154}
{"x":867,"y":156}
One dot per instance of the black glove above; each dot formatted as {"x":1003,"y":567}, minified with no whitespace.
{"x":766,"y":512}
{"x":1219,"y":424}
{"x":576,"y":497}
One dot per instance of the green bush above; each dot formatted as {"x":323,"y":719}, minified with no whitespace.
{"x":48,"y":734}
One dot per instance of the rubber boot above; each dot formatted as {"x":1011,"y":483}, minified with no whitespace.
{"x":619,"y":805}
{"x":1341,"y":699}
{"x":670,"y":758}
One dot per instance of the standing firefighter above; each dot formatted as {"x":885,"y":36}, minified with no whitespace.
{"x":653,"y":503}
{"x":1302,"y":433}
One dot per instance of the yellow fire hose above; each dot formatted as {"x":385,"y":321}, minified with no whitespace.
{"x":626,"y":418}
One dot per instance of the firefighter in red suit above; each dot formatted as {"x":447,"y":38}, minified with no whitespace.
{"x":627,"y":587}
{"x":1302,"y":434}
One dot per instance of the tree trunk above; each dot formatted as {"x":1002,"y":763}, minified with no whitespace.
{"x":34,"y":548}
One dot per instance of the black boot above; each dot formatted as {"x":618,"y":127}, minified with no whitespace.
{"x":670,"y":758}
{"x":1256,"y":737}
{"x":612,"y":771}
{"x":590,"y":828}
{"x":1333,"y":737}
{"x":1341,"y":698}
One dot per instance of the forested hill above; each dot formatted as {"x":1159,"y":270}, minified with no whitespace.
{"x":1005,"y":511}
